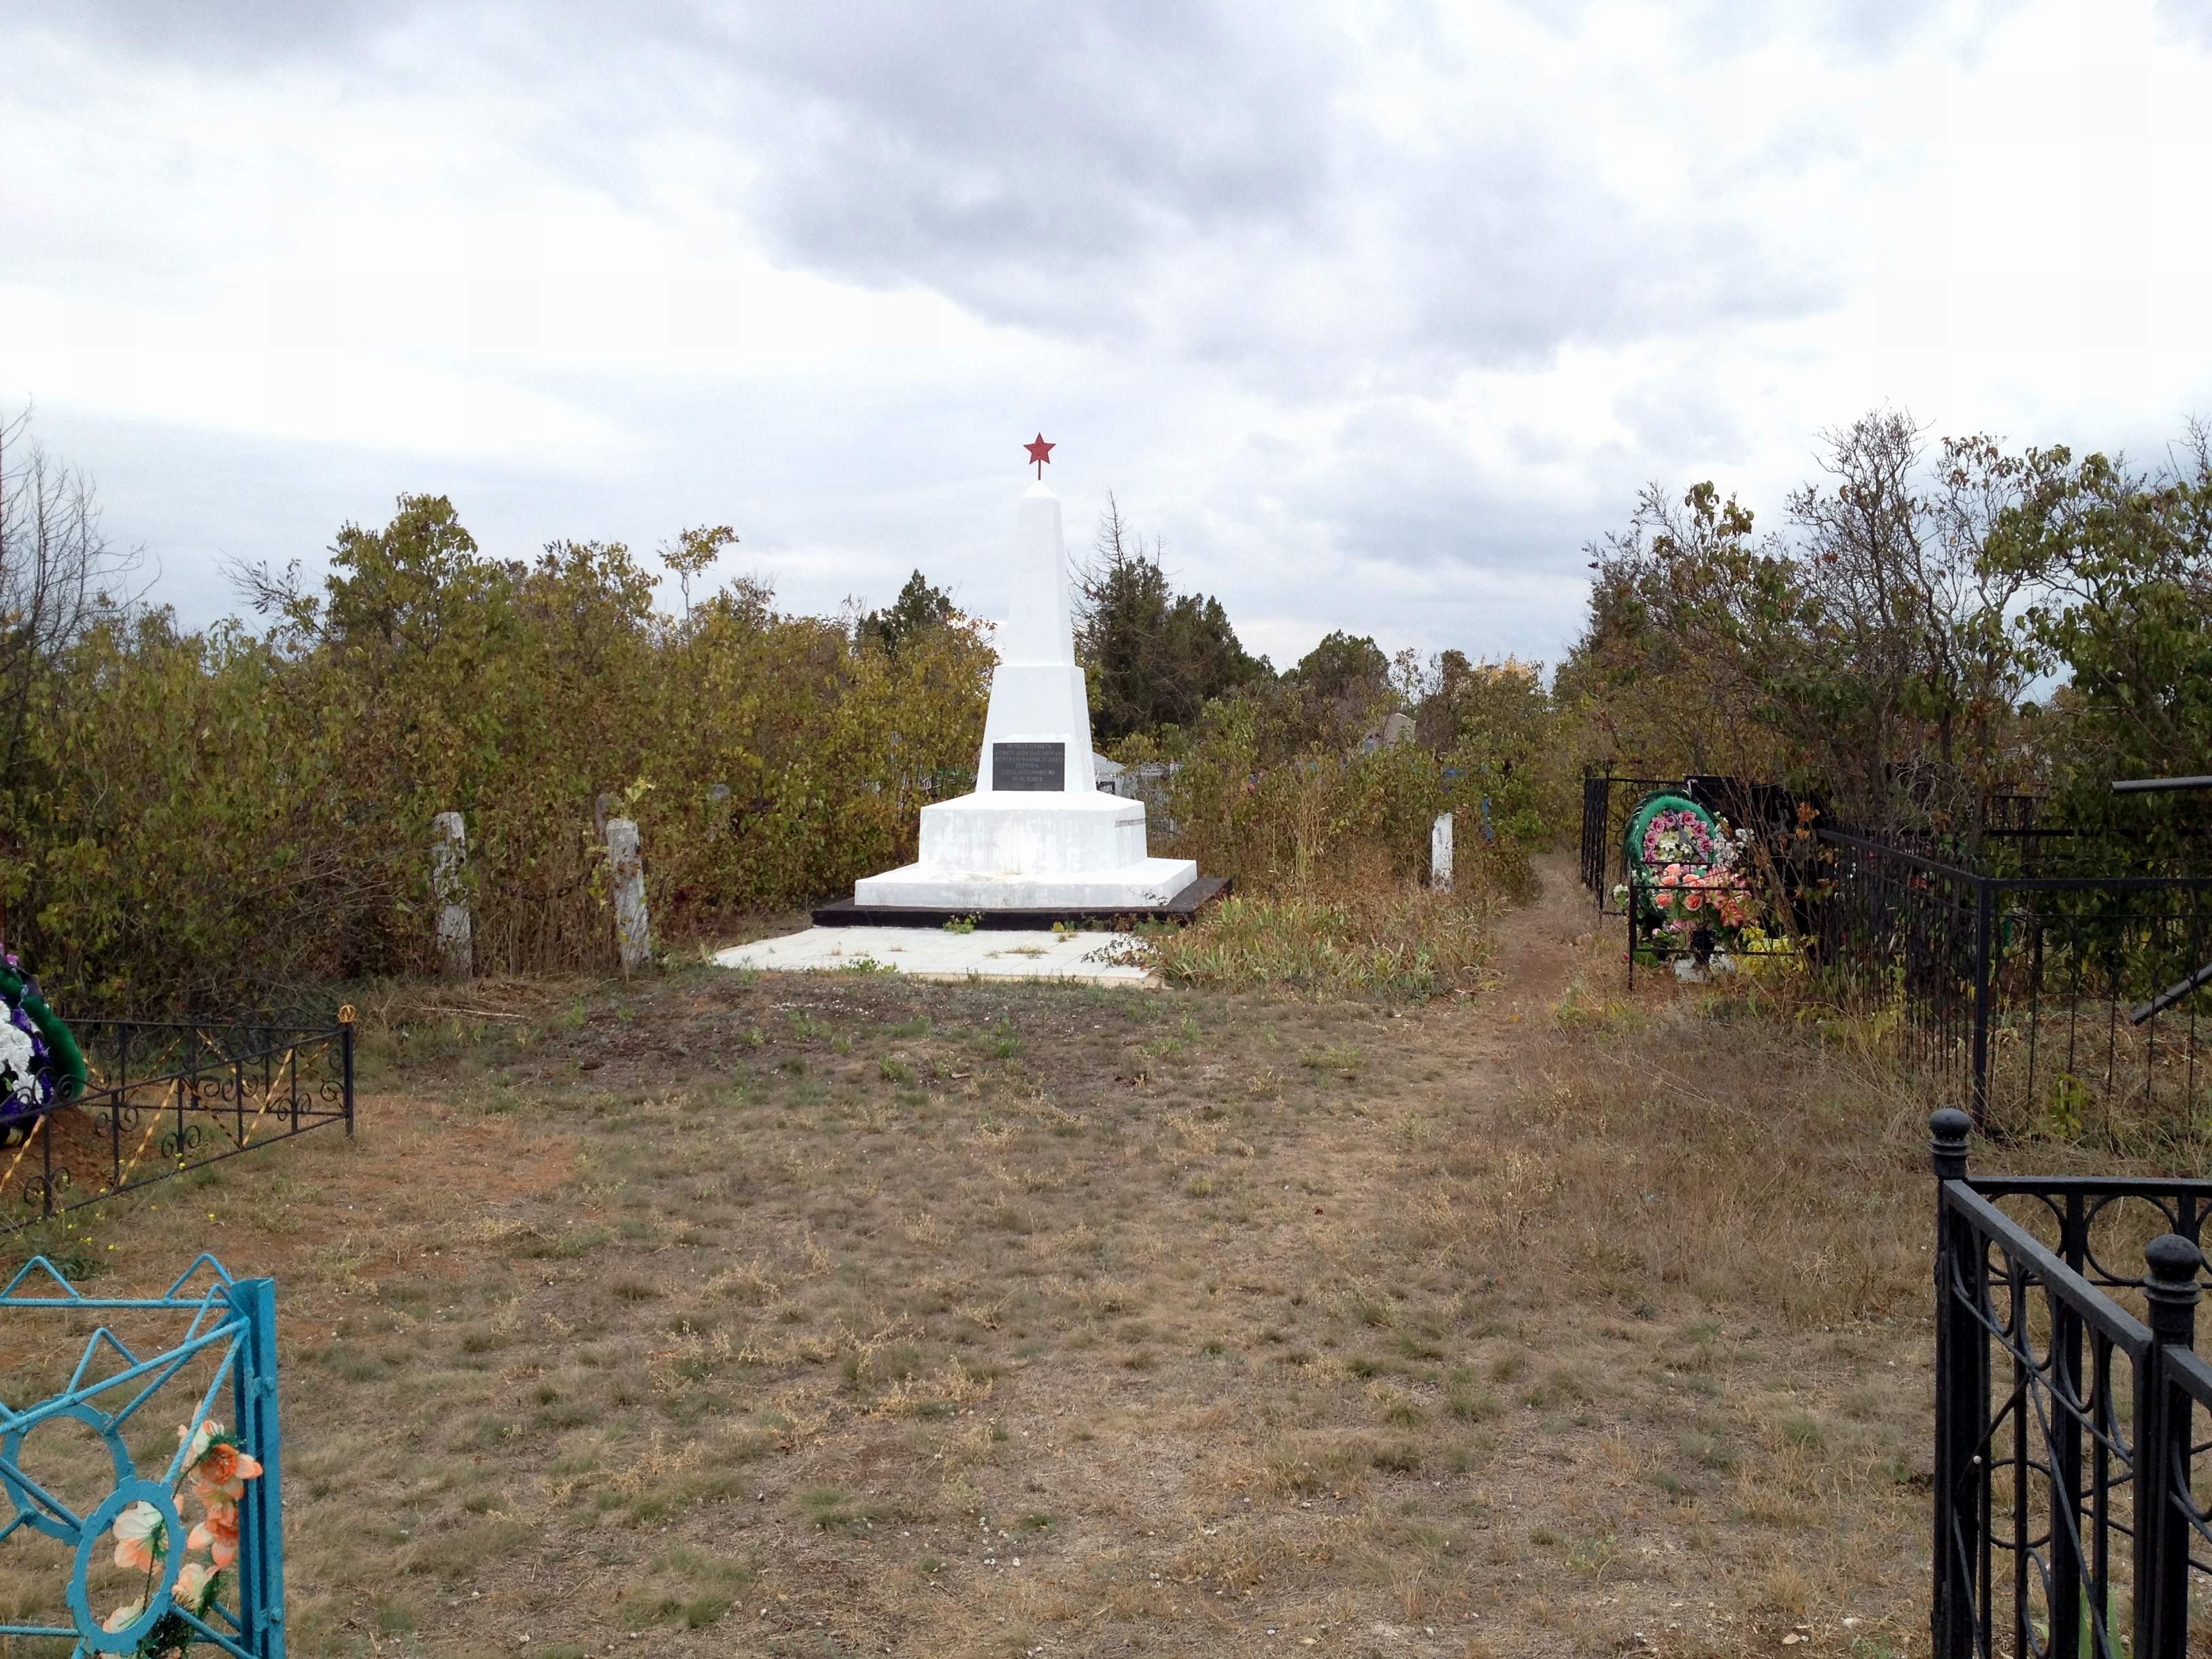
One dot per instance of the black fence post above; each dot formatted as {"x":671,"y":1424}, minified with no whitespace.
{"x":1604,"y":837}
{"x":2063,"y":1437}
{"x":1631,"y":908}
{"x":1592,"y":838}
{"x":2162,"y":1454}
{"x":1962,"y":1394}
{"x":1985,"y":948}
{"x":345,"y":1052}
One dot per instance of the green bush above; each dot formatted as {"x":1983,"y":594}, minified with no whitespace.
{"x":199,"y":819}
{"x":1259,"y":796}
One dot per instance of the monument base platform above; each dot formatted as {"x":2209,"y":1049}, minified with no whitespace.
{"x":1021,"y":901}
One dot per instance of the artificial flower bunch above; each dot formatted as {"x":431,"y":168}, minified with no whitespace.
{"x":1689,"y":897}
{"x":216,"y":1468}
{"x":1694,"y":879}
{"x":1677,"y":836}
{"x":26,"y":1083}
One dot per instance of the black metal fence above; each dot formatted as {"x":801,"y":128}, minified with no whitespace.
{"x":1607,"y":801}
{"x":2066,"y":1517}
{"x":164,"y":1097}
{"x":2072,"y":1003}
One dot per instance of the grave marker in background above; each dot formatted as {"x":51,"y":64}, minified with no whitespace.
{"x":626,"y":869}
{"x":449,"y":850}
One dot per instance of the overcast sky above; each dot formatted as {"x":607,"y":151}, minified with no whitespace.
{"x":1375,"y":315}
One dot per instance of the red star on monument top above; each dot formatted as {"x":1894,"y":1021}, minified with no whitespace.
{"x":1040,"y":452}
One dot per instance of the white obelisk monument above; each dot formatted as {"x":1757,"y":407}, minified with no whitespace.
{"x":1037,"y":834}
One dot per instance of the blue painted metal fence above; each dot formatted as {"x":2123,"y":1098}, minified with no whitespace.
{"x":116,"y":1396}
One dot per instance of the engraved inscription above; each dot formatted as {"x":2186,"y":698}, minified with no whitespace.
{"x":1029,"y":766}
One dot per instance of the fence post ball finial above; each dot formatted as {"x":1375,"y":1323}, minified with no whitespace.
{"x":1948,"y":1131}
{"x":2175,"y":1262}
{"x":2171,"y":1291}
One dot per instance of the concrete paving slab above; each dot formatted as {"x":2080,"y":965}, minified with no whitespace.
{"x":932,"y":953}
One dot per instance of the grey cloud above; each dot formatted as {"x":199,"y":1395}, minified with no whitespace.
{"x":1179,"y":178}
{"x":1032,"y":165}
{"x":1176,"y":179}
{"x":228,"y":35}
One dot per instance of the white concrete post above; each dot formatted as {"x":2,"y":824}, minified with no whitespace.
{"x":1440,"y":853}
{"x":626,"y":867}
{"x":449,"y":852}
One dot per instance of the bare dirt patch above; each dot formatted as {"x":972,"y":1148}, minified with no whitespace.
{"x":846,"y":1315}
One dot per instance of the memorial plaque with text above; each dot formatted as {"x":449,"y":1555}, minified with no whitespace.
{"x":1040,"y":766}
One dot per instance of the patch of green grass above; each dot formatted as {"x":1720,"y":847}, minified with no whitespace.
{"x":831,"y":1509}
{"x":1708,"y":1453}
{"x":1593,"y":1557}
{"x":352,"y":1365}
{"x":1470,"y":1403}
{"x":569,"y":1245}
{"x":1398,"y":1456}
{"x":1803,"y":1429}
{"x":1341,"y":1058}
{"x":701,"y":1611}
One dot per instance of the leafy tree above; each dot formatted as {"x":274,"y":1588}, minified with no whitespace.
{"x":694,"y":554}
{"x":1494,"y":727}
{"x":1344,"y":685}
{"x":55,"y":564}
{"x":1155,"y":656}
{"x":2119,"y":565}
{"x":1919,"y":669}
{"x":1869,"y":654}
{"x":919,"y":608}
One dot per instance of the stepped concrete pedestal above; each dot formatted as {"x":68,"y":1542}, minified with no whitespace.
{"x":1018,"y":852}
{"x":1037,"y":835}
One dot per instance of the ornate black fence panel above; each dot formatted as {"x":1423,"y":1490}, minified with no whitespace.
{"x":2066,"y":1522}
{"x":1903,"y":928}
{"x":2078,"y":1000}
{"x":167,"y":1096}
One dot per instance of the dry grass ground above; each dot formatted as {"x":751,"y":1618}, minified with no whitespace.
{"x":844,"y":1315}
